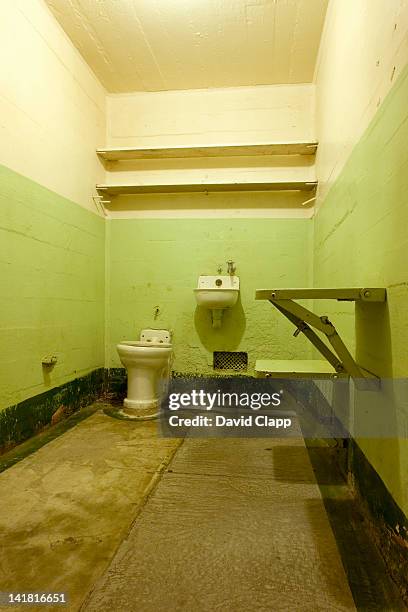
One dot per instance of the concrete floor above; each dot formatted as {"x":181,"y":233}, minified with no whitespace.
{"x":121,"y":519}
{"x":65,"y":509}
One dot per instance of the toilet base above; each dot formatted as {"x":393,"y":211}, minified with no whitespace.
{"x":140,"y":408}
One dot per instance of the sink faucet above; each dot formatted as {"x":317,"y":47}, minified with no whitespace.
{"x":231,"y":267}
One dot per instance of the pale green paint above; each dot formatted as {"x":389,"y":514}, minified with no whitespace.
{"x":156,"y":264}
{"x":55,"y":286}
{"x":51,"y":287}
{"x":361,"y":239}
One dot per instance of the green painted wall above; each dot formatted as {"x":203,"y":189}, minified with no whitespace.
{"x":361,"y":238}
{"x":156,"y":263}
{"x":57,"y":296}
{"x":51,"y":288}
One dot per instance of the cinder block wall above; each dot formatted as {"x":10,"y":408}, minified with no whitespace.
{"x":52,"y":244}
{"x":360,"y":229}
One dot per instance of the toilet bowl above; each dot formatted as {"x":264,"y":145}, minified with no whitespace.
{"x":147,"y":362}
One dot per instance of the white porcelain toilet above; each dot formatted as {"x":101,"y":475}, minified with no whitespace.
{"x":147,"y":362}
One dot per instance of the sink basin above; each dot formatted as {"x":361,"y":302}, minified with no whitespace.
{"x":217,"y":293}
{"x":216,"y":298}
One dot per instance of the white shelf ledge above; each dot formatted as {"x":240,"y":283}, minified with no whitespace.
{"x":273,"y":148}
{"x":114,"y":190}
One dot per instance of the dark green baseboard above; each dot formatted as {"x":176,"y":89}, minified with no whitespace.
{"x":389,"y":525}
{"x":115,"y":380}
{"x":27,"y":418}
{"x":115,"y":383}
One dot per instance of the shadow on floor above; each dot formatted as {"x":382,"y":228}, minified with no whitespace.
{"x":289,"y":466}
{"x":371,"y":586}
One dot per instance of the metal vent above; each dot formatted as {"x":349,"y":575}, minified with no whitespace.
{"x":227,"y":360}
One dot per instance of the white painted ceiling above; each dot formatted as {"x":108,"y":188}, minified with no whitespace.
{"x":155,"y":45}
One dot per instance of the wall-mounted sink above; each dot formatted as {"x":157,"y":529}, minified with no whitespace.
{"x":217,"y":293}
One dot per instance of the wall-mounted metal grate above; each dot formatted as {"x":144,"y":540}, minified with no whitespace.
{"x":228,"y":360}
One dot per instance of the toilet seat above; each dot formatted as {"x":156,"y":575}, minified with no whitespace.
{"x":148,"y":344}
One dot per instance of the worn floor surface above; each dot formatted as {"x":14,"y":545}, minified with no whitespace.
{"x":234,"y":524}
{"x":121,"y":520}
{"x":65,"y":509}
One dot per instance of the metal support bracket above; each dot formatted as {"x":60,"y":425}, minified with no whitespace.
{"x":304,"y":320}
